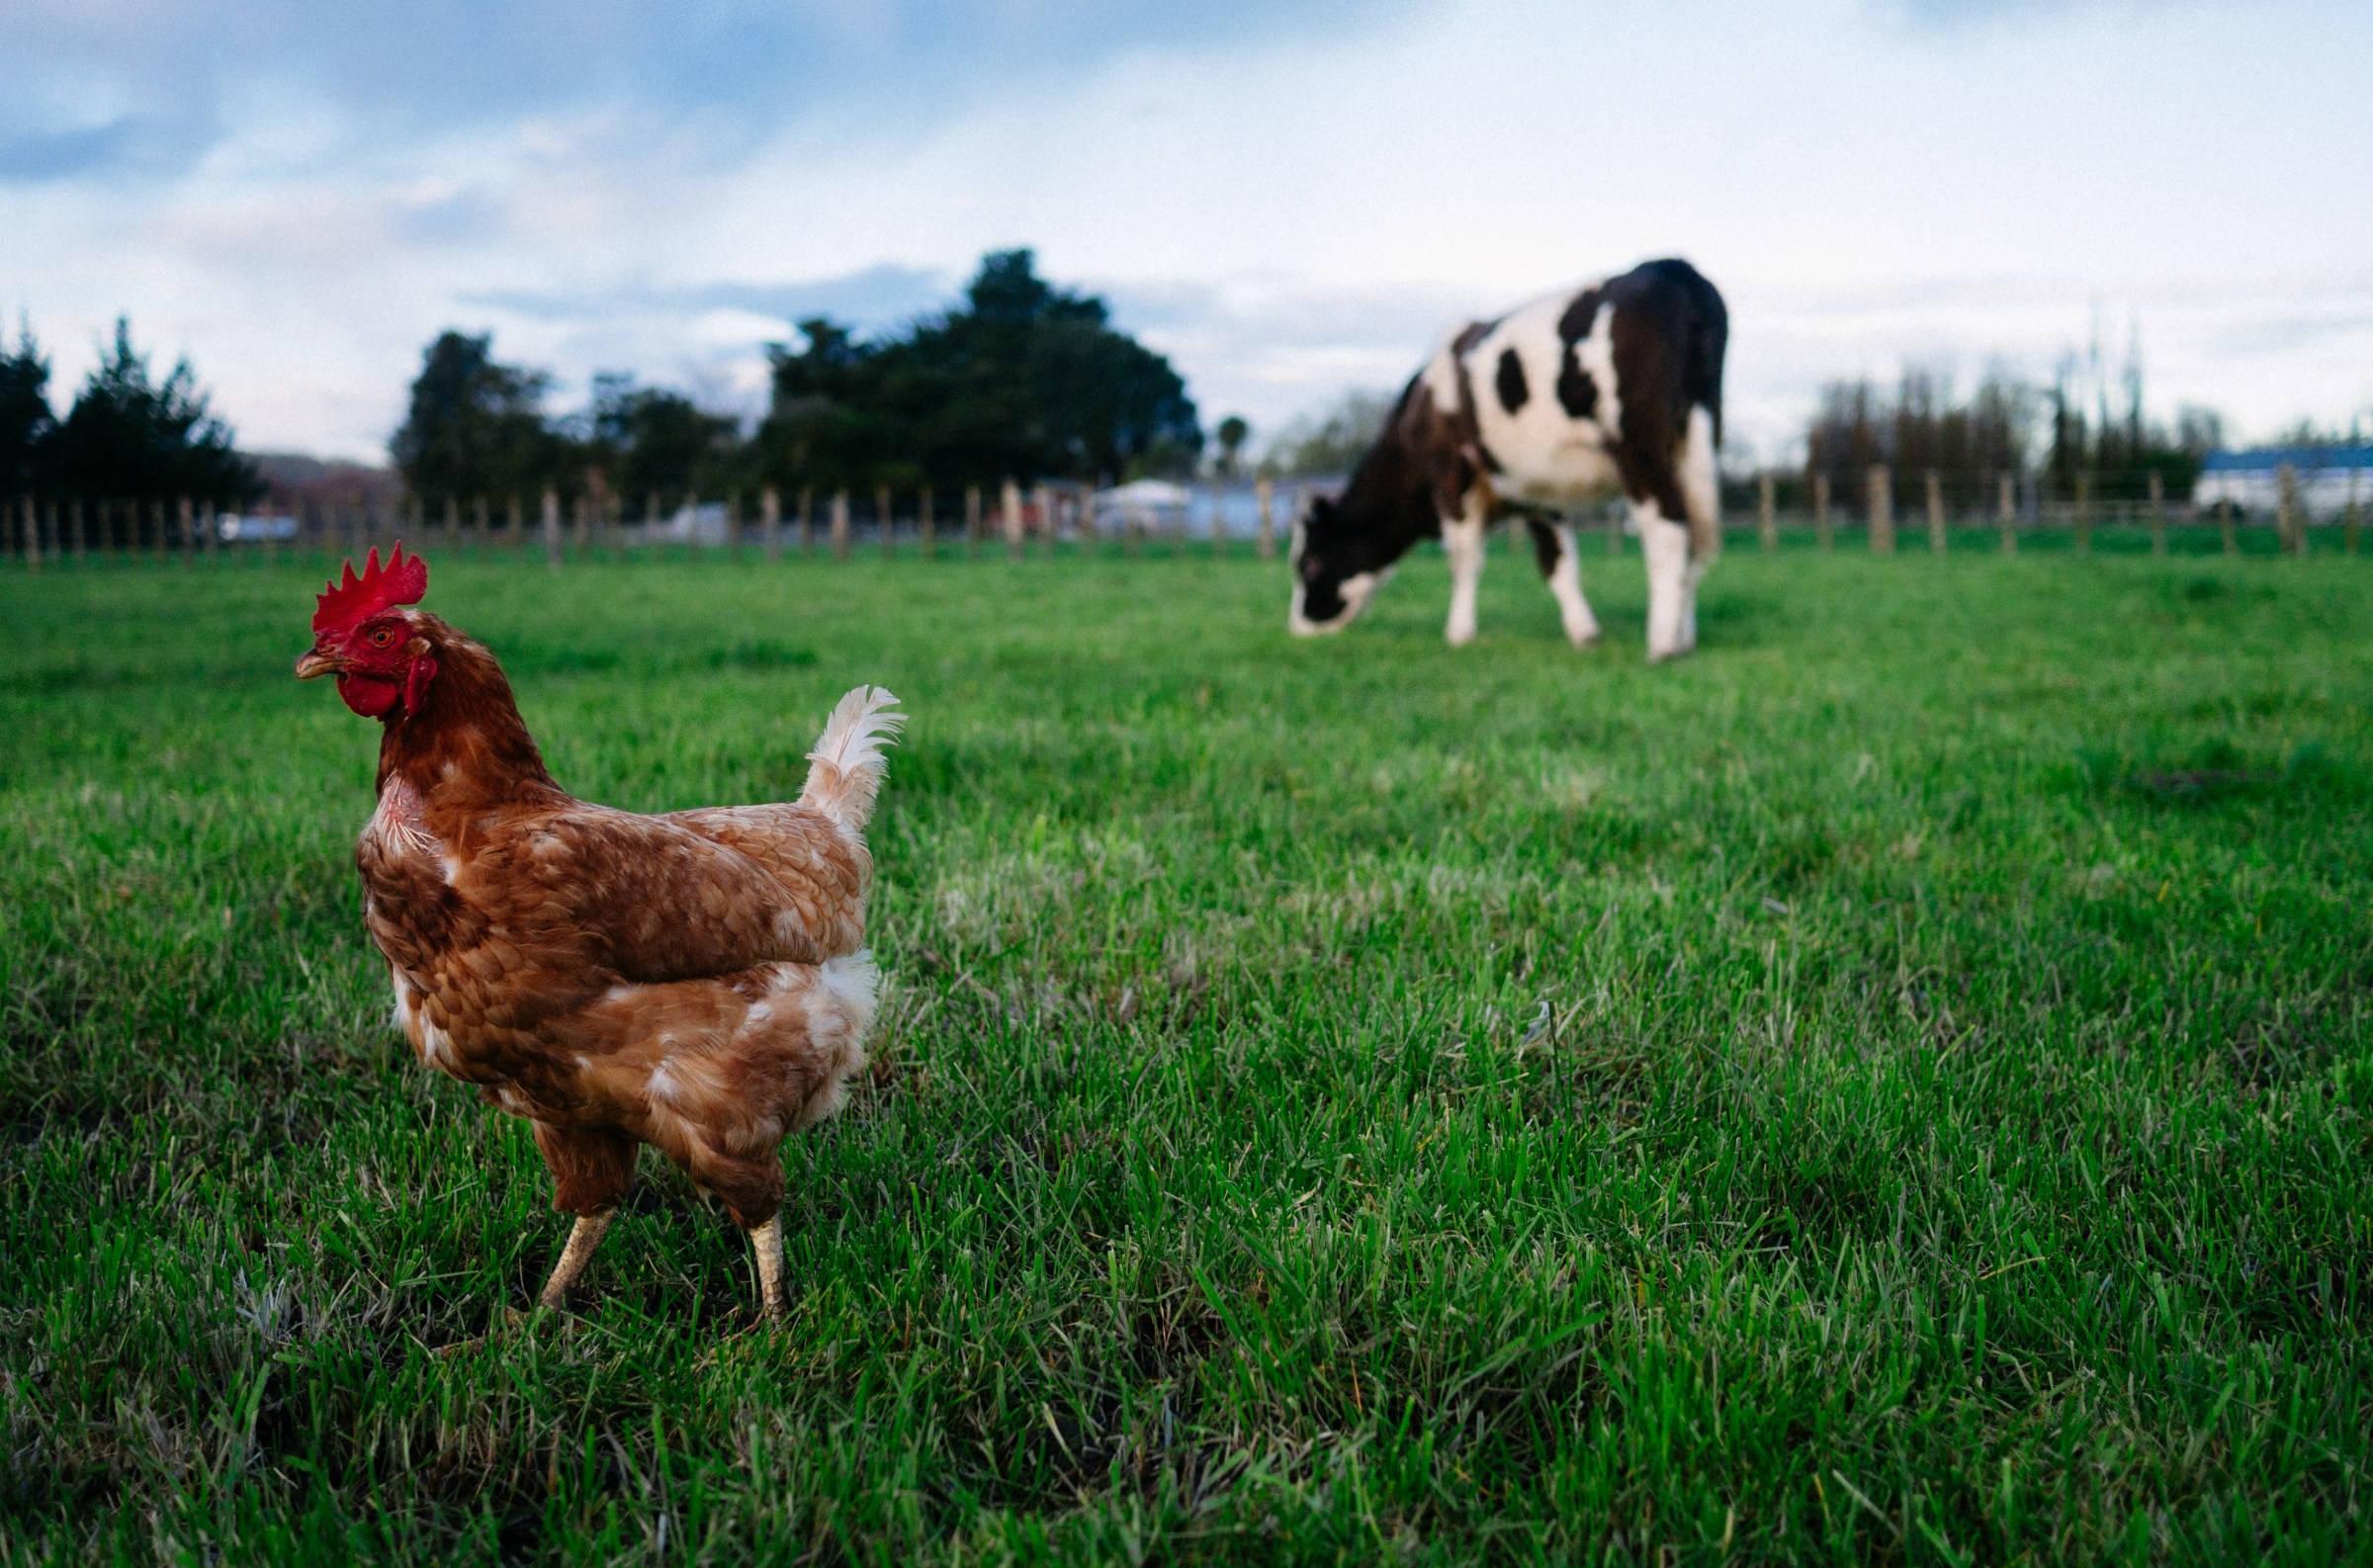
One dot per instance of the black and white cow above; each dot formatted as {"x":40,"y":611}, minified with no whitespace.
{"x":1617,"y":384}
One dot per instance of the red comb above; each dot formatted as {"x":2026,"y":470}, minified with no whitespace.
{"x":345,"y":605}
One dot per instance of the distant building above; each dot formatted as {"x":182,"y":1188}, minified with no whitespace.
{"x":2329,"y":478}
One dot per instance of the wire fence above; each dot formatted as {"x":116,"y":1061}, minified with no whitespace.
{"x":1143,"y":520}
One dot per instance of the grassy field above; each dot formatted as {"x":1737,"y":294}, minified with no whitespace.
{"x":1892,"y":1087}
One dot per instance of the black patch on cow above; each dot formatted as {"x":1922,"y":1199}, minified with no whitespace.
{"x":1577,"y":394}
{"x":1511,"y":381}
{"x":1546,"y":545}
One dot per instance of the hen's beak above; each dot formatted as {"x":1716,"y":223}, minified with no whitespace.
{"x":315,"y":664}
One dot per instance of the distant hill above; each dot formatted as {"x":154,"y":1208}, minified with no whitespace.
{"x":293,"y":479}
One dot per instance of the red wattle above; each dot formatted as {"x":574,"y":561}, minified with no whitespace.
{"x":369,"y":695}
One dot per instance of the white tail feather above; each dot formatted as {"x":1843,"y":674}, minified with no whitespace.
{"x":847,"y":763}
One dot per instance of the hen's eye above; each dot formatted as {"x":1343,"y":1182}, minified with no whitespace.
{"x":381,"y":638}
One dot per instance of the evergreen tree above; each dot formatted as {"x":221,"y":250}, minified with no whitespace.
{"x":1023,"y":380}
{"x":653,"y":442}
{"x":25,"y":418}
{"x":476,"y":427}
{"x":128,"y":436}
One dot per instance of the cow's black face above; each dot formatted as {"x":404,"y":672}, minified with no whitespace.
{"x":1332,"y":580}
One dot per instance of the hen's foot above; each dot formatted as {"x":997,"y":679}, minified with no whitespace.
{"x":584,"y":1236}
{"x":767,"y":1240}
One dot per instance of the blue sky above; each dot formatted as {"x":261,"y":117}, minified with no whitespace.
{"x":1288,"y":196}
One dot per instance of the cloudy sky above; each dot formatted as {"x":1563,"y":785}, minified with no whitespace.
{"x":1288,"y":196}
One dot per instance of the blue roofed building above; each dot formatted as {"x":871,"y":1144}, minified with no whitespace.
{"x":2329,"y":478}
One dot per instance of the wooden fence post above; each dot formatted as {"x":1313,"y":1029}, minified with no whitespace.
{"x":2159,"y":512}
{"x":1265,"y":527}
{"x":770,"y":523}
{"x":972,"y":520}
{"x":2349,"y":520}
{"x":2006,"y":510}
{"x":1043,"y":500}
{"x":1008,"y":502}
{"x":733,"y":526}
{"x":548,"y":516}
{"x":478,"y":527}
{"x":186,"y":514}
{"x":1880,"y":485}
{"x":2084,"y":514}
{"x":887,"y":518}
{"x":926,"y":526}
{"x":1767,"y":512}
{"x":74,"y":525}
{"x":1936,"y":513}
{"x":840,"y":525}
{"x":1822,"y":534}
{"x":2290,"y":533}
{"x":805,"y":530}
{"x":32,"y":535}
{"x":2229,"y":533}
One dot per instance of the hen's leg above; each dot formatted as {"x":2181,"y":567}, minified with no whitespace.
{"x":767,"y":1240}
{"x":592,"y":1168}
{"x":583,"y":1237}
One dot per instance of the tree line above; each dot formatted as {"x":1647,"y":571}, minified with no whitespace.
{"x":1021,"y":380}
{"x":126,"y":436}
{"x":2061,"y":436}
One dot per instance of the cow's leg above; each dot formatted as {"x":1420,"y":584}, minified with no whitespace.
{"x":1462,"y":538}
{"x":1702,"y":496}
{"x":1665,"y":543}
{"x":1553,"y":551}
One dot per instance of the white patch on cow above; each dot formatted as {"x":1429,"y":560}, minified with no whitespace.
{"x":1545,"y":454}
{"x":1666,"y":546}
{"x":1565,"y":585}
{"x":1700,"y":489}
{"x":1462,"y":540}
{"x":1442,"y":374}
{"x":1596,"y":353}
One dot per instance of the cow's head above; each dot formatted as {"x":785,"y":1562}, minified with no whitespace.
{"x":1335,"y":570}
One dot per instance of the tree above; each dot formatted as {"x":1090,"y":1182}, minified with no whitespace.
{"x":1923,"y":427}
{"x":653,"y":442}
{"x":476,"y":427}
{"x":1334,"y":441}
{"x":1023,"y":380}
{"x":130,"y":437}
{"x":1232,"y":432}
{"x":25,"y":418}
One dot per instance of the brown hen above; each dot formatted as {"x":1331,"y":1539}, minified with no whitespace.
{"x":694,"y":981}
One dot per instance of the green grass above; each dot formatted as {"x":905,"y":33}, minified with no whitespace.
{"x":1892,"y":1087}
